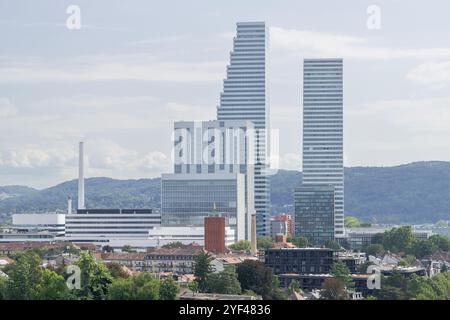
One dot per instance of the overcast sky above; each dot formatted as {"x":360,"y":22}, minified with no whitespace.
{"x":135,"y":67}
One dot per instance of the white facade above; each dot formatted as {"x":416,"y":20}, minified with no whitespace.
{"x":163,"y":235}
{"x":53,"y":223}
{"x":186,"y":199}
{"x":245,"y":97}
{"x":102,"y":225}
{"x":323,"y":142}
{"x":210,"y":147}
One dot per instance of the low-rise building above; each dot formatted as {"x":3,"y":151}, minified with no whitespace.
{"x":358,"y":238}
{"x":177,"y":261}
{"x":299,"y":260}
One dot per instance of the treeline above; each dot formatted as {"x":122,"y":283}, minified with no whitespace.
{"x":28,"y":280}
{"x":402,"y":240}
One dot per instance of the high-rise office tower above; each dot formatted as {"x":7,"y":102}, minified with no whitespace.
{"x":209,"y":147}
{"x":323,"y":130}
{"x":245,"y":97}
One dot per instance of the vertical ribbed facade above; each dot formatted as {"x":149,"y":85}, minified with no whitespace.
{"x":245,"y":97}
{"x":323,"y":130}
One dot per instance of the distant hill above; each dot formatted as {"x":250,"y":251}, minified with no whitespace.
{"x":413,"y":193}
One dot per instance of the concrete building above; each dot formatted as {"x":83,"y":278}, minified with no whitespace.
{"x":245,"y":97}
{"x":210,"y":147}
{"x":358,"y":238}
{"x":53,"y":223}
{"x":103,"y":225}
{"x":299,"y":260}
{"x":177,"y":261}
{"x":314,"y":213}
{"x":34,"y":227}
{"x":323,"y":130}
{"x":186,"y":199}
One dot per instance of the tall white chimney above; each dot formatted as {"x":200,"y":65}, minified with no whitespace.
{"x":81,"y":177}
{"x":69,"y":205}
{"x":253,"y":248}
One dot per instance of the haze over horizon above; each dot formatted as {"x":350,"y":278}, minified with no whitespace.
{"x":121,"y":81}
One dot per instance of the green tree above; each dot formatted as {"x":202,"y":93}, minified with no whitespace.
{"x":434,"y":288}
{"x":298,"y":241}
{"x":243,"y":245}
{"x":3,"y":288}
{"x":375,"y":249}
{"x":202,"y":269}
{"x":175,"y":244}
{"x":333,"y":289}
{"x":128,"y":248}
{"x":141,"y":287}
{"x":422,"y":249}
{"x":443,"y":243}
{"x":225,"y":282}
{"x":351,"y":222}
{"x":394,"y":287}
{"x":25,"y":275}
{"x":53,"y":287}
{"x":294,"y":286}
{"x":168,"y":290}
{"x":340,"y":271}
{"x":193,"y":286}
{"x":398,"y":239}
{"x":264,"y":243}
{"x":407,"y":261}
{"x":255,"y":276}
{"x":95,"y":278}
{"x":333,"y":244}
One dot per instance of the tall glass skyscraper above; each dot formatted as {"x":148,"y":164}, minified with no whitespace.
{"x":245,"y":97}
{"x":323,"y":130}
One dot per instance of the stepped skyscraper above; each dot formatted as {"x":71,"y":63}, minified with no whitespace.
{"x":245,"y":97}
{"x":323,"y":130}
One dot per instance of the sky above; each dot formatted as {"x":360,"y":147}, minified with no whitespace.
{"x":134,"y":67}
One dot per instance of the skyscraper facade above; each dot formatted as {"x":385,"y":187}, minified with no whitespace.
{"x":323,"y":130}
{"x":245,"y":97}
{"x":210,"y":147}
{"x":314,"y":213}
{"x":186,"y":199}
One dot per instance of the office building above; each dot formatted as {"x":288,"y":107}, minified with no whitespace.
{"x":245,"y":97}
{"x":210,"y":147}
{"x":102,"y":225}
{"x":53,"y":223}
{"x":299,"y":260}
{"x":314,"y":213}
{"x":186,"y":199}
{"x":323,"y":130}
{"x":359,"y":238}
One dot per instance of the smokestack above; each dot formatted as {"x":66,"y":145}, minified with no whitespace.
{"x":81,"y":177}
{"x":253,"y":250}
{"x":69,"y":205}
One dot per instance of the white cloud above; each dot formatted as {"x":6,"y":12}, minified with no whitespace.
{"x":7,"y":109}
{"x":111,"y":67}
{"x":34,"y":156}
{"x":291,"y":161}
{"x":321,"y":44}
{"x":431,"y":73}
